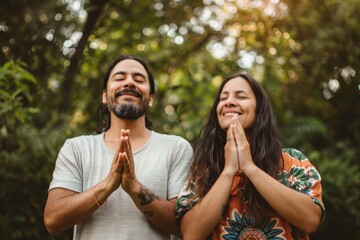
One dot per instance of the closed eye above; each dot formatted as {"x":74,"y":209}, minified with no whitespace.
{"x":139,"y":80}
{"x":139,"y":77}
{"x":241,"y":97}
{"x":119,"y":78}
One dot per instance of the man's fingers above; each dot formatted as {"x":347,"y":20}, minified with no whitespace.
{"x":125,"y":132}
{"x":117,"y":165}
{"x":125,"y":155}
{"x":122,"y":160}
{"x":122,"y":145}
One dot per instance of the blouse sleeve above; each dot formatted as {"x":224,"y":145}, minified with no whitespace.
{"x":301,"y":175}
{"x":185,"y":199}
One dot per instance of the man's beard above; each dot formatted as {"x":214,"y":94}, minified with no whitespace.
{"x":129,"y":111}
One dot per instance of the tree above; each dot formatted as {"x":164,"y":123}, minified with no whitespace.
{"x":304,"y":53}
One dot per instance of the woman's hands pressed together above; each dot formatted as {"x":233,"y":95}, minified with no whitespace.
{"x":237,"y":149}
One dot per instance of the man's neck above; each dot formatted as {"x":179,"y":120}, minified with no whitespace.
{"x":139,"y":134}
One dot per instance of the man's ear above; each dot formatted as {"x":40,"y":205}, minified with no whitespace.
{"x":104,"y":97}
{"x":151,"y":100}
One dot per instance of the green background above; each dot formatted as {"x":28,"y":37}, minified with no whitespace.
{"x":53,"y":56}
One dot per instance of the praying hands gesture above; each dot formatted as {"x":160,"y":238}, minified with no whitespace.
{"x":66,"y":208}
{"x":122,"y":173}
{"x":122,"y":170}
{"x":281,"y":198}
{"x":237,"y":149}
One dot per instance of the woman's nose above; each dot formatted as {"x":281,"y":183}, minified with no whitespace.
{"x":230,"y":102}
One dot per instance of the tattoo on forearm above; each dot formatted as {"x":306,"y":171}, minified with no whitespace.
{"x":146,"y":197}
{"x":148,"y":213}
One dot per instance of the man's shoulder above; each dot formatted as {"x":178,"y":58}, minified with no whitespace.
{"x":168,"y":137}
{"x":81,"y":139}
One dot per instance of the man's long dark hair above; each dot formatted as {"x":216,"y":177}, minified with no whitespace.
{"x":103,"y":111}
{"x":208,"y":160}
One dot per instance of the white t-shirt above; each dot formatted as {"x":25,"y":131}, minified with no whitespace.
{"x":161,"y":165}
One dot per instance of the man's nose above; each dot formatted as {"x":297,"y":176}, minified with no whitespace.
{"x":129,"y":82}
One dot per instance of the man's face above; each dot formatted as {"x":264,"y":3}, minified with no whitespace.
{"x":128,"y":90}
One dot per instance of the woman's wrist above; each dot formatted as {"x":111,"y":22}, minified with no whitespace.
{"x":228,"y":173}
{"x":250,"y":170}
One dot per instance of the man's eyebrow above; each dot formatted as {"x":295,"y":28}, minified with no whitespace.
{"x":119,"y":73}
{"x":139,"y":74}
{"x":124,"y":73}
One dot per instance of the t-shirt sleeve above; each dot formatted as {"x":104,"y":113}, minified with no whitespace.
{"x":179,"y":168}
{"x":300,"y":174}
{"x":67,"y":172}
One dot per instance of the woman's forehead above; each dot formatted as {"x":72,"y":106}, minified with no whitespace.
{"x":237,"y":84}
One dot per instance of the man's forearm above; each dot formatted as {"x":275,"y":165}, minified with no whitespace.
{"x":66,"y":208}
{"x":159,"y":211}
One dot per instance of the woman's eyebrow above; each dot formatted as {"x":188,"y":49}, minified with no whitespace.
{"x":236,"y":92}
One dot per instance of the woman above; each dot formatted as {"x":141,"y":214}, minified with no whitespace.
{"x":242,"y":184}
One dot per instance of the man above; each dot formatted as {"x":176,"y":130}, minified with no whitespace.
{"x":124,"y":182}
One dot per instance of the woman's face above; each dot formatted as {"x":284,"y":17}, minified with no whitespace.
{"x":236,"y":98}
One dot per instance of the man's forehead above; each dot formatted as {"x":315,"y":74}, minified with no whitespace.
{"x":129,"y":66}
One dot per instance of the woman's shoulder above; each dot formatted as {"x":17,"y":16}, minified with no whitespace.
{"x":295,"y":158}
{"x":294,"y":153}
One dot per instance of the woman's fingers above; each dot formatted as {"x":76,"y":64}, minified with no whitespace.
{"x":231,"y":155}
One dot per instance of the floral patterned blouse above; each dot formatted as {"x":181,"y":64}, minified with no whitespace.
{"x":298,"y":174}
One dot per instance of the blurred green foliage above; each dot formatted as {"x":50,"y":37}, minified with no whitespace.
{"x":54,"y":55}
{"x":25,"y":149}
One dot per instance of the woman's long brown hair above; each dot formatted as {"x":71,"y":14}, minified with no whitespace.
{"x":208,"y":160}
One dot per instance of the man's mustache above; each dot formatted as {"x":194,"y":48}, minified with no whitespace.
{"x":129,"y":91}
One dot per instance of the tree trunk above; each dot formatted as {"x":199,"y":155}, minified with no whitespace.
{"x":94,"y":12}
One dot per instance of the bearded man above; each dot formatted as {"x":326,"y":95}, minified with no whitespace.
{"x":123,"y":182}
